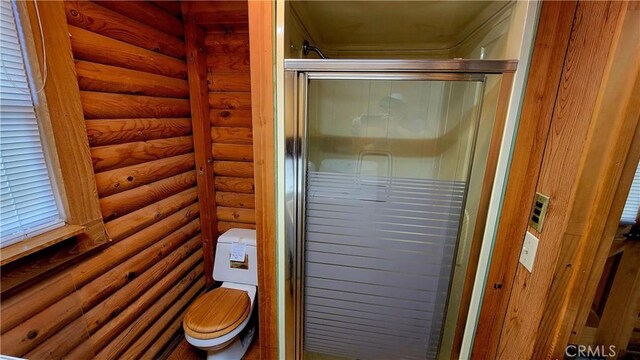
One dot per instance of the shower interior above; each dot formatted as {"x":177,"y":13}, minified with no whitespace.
{"x":388,"y":166}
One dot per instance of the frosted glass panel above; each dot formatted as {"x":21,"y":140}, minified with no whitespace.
{"x":387,"y":174}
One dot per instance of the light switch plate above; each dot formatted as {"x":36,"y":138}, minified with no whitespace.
{"x":529,"y":249}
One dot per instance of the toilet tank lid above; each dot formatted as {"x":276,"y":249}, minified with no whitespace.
{"x":245,"y":236}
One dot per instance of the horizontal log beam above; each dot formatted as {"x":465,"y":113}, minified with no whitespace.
{"x":31,"y":301}
{"x":148,"y":14}
{"x":235,"y":200}
{"x":233,"y":168}
{"x":229,"y":81}
{"x":49,"y":325}
{"x":136,"y":221}
{"x":118,"y":156}
{"x":105,"y":22}
{"x":122,"y":179}
{"x":97,"y":105}
{"x":114,"y":338}
{"x":232,"y":152}
{"x":230,"y":118}
{"x":224,"y":226}
{"x":246,"y":216}
{"x":231,"y":135}
{"x":219,"y":12}
{"x":171,"y":6}
{"x":230,"y":100}
{"x":120,"y":204}
{"x":114,"y":79}
{"x":94,"y":47}
{"x":119,"y":131}
{"x":233,"y":184}
{"x":228,"y":62}
{"x":237,"y":42}
{"x":186,"y":257}
{"x":163,"y":324}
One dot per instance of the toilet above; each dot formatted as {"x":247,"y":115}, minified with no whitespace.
{"x":219,"y":321}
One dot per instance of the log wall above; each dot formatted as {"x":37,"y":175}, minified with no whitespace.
{"x":229,"y":81}
{"x":127,"y":300}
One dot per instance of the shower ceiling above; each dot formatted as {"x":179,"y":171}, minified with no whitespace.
{"x":392,"y":25}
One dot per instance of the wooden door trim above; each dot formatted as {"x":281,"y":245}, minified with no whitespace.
{"x":550,"y":46}
{"x":261,"y":40}
{"x":201,"y":125}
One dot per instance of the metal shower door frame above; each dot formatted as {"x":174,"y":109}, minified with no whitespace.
{"x":298,"y":73}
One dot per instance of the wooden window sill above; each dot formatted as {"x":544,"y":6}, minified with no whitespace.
{"x":38,"y":242}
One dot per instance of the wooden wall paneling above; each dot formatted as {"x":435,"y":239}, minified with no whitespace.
{"x":230,"y":100}
{"x":201,"y":123}
{"x":19,"y":308}
{"x":135,"y":103}
{"x":235,"y":200}
{"x":106,"y":78}
{"x":229,"y":135}
{"x":614,"y":121}
{"x":215,"y":13}
{"x":128,"y":224}
{"x":98,"y":19}
{"x":171,"y":6}
{"x":233,"y":168}
{"x":61,"y":339}
{"x":232,"y":214}
{"x":148,"y":14}
{"x":106,"y":339}
{"x":232,"y":152}
{"x":230,"y":82}
{"x":234,"y":43}
{"x":181,"y":260}
{"x":101,"y":105}
{"x":225,"y":225}
{"x":610,"y":231}
{"x":126,"y":336}
{"x":120,"y":204}
{"x":122,"y":179}
{"x":231,"y":118}
{"x":234,"y":184}
{"x":261,"y":38}
{"x":101,"y":49}
{"x":118,"y":131}
{"x":175,"y":314}
{"x":586,"y":58}
{"x":549,"y":50}
{"x":111,"y":157}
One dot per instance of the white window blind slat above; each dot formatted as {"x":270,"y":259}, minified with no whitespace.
{"x":633,"y":200}
{"x":27,"y":203}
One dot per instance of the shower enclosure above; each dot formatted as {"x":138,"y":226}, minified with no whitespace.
{"x":388,"y":165}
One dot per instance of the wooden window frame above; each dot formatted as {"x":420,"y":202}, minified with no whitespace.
{"x":65,"y":144}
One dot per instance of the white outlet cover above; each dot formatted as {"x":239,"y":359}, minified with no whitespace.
{"x":529,"y":249}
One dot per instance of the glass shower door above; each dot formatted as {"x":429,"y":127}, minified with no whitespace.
{"x":386,"y":166}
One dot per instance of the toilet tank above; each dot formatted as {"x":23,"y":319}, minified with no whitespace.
{"x":224,"y":269}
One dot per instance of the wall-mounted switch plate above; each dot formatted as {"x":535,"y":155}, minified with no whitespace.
{"x":539,"y":211}
{"x":529,"y":249}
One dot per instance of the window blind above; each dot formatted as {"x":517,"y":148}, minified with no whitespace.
{"x":27,"y":204}
{"x":633,"y":201}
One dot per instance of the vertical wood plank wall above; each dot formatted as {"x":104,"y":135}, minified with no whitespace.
{"x":229,"y":83}
{"x":127,"y":300}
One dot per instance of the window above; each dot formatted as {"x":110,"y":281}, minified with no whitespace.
{"x":633,"y":201}
{"x":27,"y":203}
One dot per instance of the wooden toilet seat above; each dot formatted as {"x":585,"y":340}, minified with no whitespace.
{"x":216,"y":313}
